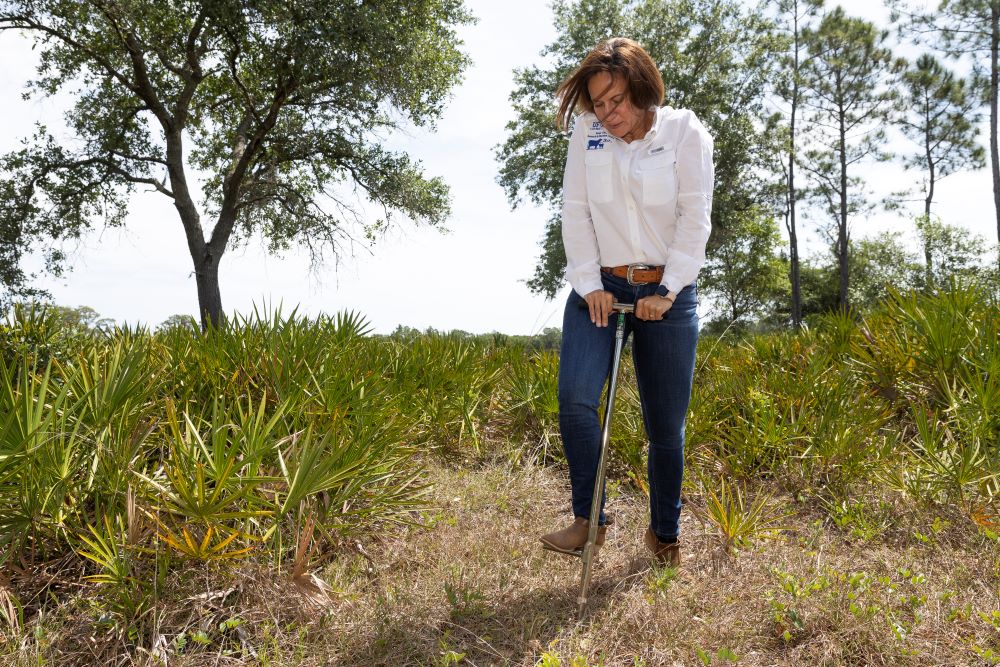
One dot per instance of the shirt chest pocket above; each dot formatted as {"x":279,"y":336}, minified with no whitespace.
{"x":659,"y":178}
{"x":599,"y":184}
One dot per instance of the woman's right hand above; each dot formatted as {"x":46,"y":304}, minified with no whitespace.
{"x":600,"y":301}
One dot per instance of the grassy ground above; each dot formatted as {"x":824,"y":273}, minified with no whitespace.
{"x":900,"y":588}
{"x":478,"y":586}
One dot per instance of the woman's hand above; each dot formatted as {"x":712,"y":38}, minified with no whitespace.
{"x":600,"y":301}
{"x":652,"y":307}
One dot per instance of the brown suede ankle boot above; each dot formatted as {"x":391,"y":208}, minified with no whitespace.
{"x":570,"y":540}
{"x":664,"y":553}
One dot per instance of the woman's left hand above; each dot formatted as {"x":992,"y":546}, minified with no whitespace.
{"x":652,"y":307}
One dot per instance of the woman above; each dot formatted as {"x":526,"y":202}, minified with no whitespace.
{"x":637,"y":201}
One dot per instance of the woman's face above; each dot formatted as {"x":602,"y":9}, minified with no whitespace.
{"x":612,"y":105}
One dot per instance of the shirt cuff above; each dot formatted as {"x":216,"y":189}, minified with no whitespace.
{"x":586,"y":287}
{"x":681,"y":271}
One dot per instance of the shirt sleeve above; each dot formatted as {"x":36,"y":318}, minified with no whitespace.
{"x":695,"y":182}
{"x":583,"y":258}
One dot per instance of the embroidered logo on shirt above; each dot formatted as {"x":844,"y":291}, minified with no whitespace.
{"x":597,"y":137}
{"x":658,"y":149}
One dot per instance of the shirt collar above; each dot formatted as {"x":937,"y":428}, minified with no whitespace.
{"x":657,"y":118}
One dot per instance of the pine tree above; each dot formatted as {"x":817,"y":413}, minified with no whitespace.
{"x":969,"y":28}
{"x":941,"y":117}
{"x":848,"y":104}
{"x":793,"y":18}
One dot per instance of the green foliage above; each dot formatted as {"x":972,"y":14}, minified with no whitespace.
{"x":907,"y":396}
{"x":933,"y":356}
{"x":448,"y":382}
{"x":177,"y":321}
{"x":660,"y":578}
{"x":964,"y":29}
{"x":953,"y":252}
{"x":883,"y":263}
{"x":744,"y":274}
{"x":819,"y":285}
{"x":862,"y":520}
{"x":629,"y":446}
{"x":34,"y":333}
{"x":116,"y":555}
{"x":136,"y":451}
{"x":532,"y":390}
{"x":737,"y":522}
{"x":890,"y":603}
{"x":878,"y":264}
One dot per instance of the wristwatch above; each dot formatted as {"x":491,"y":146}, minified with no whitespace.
{"x":664,"y":293}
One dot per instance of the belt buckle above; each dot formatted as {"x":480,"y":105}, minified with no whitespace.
{"x":631,"y":269}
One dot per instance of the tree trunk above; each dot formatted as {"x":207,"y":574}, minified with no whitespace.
{"x":928,"y":258}
{"x":994,"y":75}
{"x":842,"y":241}
{"x":205,"y":257}
{"x":793,"y":241}
{"x":206,"y":271}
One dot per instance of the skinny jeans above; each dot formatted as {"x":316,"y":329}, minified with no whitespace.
{"x":663,"y":353}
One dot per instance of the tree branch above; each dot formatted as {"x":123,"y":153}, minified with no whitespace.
{"x":29,"y":23}
{"x":233,"y":180}
{"x":139,"y":158}
{"x":144,"y":85}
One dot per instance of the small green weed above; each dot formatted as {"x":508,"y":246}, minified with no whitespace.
{"x":722,"y":656}
{"x":465,"y":601}
{"x":660,"y":579}
{"x":861,"y":519}
{"x":736,"y":521}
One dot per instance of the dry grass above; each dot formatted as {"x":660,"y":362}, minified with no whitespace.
{"x":513,"y":602}
{"x":476,"y":588}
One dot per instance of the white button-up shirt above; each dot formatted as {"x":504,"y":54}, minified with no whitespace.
{"x":647,"y":201}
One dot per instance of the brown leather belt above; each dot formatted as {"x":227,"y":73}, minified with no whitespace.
{"x":636,"y":274}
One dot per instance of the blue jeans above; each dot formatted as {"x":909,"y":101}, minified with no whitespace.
{"x":664,"y":355}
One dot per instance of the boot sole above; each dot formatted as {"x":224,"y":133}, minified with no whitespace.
{"x":578,"y":552}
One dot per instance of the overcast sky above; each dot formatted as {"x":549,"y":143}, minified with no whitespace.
{"x":471,"y":278}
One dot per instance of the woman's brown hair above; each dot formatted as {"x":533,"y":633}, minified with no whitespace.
{"x":619,"y":57}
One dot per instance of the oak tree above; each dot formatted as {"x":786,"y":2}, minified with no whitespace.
{"x":745,"y":276}
{"x":259,"y":116}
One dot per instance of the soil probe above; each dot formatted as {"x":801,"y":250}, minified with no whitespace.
{"x":587,"y":553}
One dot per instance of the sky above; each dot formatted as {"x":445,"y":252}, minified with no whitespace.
{"x":470,"y":278}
